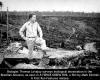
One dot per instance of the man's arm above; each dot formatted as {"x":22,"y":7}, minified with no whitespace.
{"x":40,"y":31}
{"x":21,"y":31}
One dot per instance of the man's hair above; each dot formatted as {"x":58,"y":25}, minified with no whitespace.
{"x":30,"y":15}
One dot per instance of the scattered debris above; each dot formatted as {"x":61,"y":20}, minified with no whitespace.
{"x":90,"y":47}
{"x":54,"y":58}
{"x":14,"y":47}
{"x":25,"y":66}
{"x":79,"y":47}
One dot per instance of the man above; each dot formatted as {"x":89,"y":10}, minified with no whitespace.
{"x":32,"y":28}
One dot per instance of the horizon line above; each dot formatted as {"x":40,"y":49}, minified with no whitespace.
{"x":50,"y":11}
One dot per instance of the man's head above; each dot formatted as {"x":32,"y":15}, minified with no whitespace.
{"x":32,"y":17}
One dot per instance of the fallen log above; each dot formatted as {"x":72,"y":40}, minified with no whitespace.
{"x":52,"y":53}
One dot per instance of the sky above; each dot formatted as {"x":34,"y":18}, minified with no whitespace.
{"x":52,"y":5}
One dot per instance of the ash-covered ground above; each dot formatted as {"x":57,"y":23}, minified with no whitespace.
{"x":67,"y":32}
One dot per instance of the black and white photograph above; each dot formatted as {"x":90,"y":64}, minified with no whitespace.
{"x":49,"y":35}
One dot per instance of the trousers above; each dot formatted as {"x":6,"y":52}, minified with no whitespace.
{"x":31,"y":42}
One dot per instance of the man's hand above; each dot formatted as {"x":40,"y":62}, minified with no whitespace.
{"x":25,"y":38}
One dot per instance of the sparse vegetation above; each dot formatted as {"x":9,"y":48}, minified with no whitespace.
{"x":57,"y":29}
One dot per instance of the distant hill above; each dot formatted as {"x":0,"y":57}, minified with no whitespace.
{"x":54,"y":13}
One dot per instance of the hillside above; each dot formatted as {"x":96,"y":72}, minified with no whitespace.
{"x":57,"y":29}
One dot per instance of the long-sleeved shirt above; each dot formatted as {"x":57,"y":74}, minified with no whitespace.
{"x":31,"y":29}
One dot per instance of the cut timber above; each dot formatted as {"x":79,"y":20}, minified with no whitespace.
{"x":52,"y":53}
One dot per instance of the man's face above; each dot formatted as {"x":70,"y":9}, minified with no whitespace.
{"x":33,"y":19}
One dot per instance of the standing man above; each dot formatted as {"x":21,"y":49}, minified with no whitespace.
{"x":32,"y":28}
